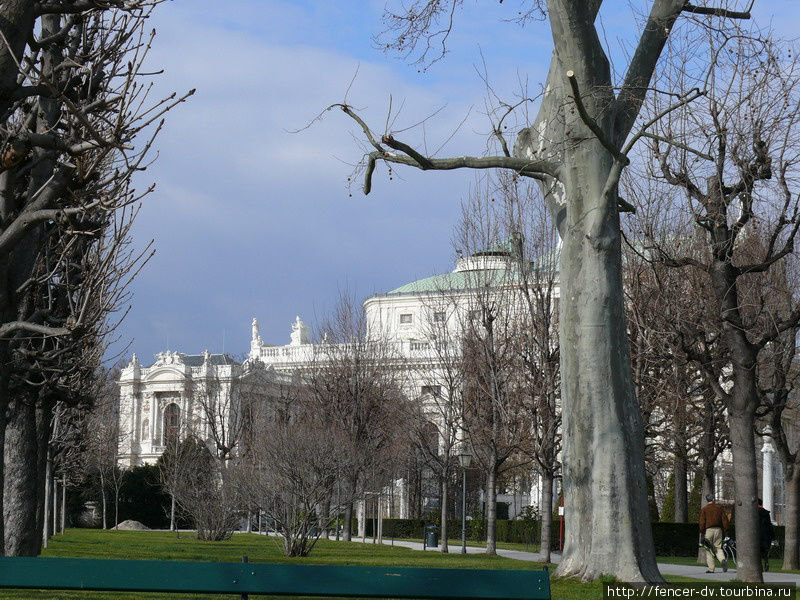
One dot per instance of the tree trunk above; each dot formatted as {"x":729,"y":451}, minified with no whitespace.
{"x":681,"y":493}
{"x":48,"y":482}
{"x":20,"y":496}
{"x":547,"y":518}
{"x":745,"y":482}
{"x":605,"y":484}
{"x":742,"y":401}
{"x":103,"y":499}
{"x":347,"y":530}
{"x":55,"y":506}
{"x":791,"y":543}
{"x":445,"y":500}
{"x":63,"y":526}
{"x":172,"y":525}
{"x":491,"y":511}
{"x":605,"y":487}
{"x":116,"y":507}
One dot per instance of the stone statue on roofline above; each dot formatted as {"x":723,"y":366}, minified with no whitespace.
{"x":256,"y":337}
{"x":299,"y":333}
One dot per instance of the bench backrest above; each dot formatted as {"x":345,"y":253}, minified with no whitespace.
{"x":271,"y":579}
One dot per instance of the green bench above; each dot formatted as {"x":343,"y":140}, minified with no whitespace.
{"x":270,"y":579}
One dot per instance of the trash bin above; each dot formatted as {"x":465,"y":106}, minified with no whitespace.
{"x":432,"y":536}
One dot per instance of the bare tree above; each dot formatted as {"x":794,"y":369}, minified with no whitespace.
{"x":534,"y":259}
{"x":209,"y":497}
{"x":672,"y":325}
{"x":577,"y":147}
{"x":355,"y":380}
{"x":101,"y":439}
{"x":779,"y":381}
{"x":495,"y":417}
{"x":436,"y":427}
{"x":175,"y":462}
{"x":732,"y":162}
{"x":74,"y":102}
{"x":295,"y":462}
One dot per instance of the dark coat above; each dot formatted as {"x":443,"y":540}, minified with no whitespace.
{"x":765,"y":531}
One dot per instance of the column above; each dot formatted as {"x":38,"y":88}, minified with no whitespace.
{"x":768,"y":453}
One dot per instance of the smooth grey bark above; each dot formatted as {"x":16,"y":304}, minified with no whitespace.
{"x":603,"y":470}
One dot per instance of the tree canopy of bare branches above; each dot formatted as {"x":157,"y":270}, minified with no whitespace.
{"x":577,"y":147}
{"x":76,"y":123}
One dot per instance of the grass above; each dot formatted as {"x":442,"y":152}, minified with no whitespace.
{"x":155,"y":545}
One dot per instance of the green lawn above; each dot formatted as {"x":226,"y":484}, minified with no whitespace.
{"x":166,"y":546}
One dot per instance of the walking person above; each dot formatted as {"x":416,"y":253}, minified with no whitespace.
{"x":713,"y":526}
{"x":765,"y":534}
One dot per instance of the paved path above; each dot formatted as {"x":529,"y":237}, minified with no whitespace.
{"x":694,"y":571}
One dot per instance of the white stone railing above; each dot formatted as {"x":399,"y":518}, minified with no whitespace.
{"x":304,"y":355}
{"x":290,"y":356}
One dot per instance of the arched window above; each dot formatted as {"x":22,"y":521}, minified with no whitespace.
{"x":172,"y":419}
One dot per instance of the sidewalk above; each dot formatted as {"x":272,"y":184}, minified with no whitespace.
{"x":693,"y":571}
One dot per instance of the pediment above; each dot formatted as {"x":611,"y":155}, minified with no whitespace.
{"x":166,"y":373}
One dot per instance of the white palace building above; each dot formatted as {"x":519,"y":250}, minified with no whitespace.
{"x":160,"y":399}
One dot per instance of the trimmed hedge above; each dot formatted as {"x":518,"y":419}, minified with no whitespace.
{"x":517,"y":531}
{"x":681,"y":539}
{"x":671,"y":539}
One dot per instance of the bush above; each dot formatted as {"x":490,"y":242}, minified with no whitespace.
{"x":671,"y":539}
{"x":522,"y":531}
{"x":143,"y":499}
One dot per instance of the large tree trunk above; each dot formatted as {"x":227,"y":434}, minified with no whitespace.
{"x":547,"y":517}
{"x":491,"y":510}
{"x":608,"y":526}
{"x":791,"y":543}
{"x":745,"y":483}
{"x":743,"y":398}
{"x":20,"y":498}
{"x":605,"y":486}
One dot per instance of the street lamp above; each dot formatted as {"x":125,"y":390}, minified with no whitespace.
{"x":465,"y":458}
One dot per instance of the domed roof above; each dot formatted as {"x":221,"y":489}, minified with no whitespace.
{"x":457,"y":280}
{"x":487,"y":267}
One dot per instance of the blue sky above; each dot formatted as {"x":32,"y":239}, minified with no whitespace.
{"x":252,"y":218}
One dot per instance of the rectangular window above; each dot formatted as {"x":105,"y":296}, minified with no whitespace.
{"x":406,"y":318}
{"x":439,"y":317}
{"x":431,"y":390}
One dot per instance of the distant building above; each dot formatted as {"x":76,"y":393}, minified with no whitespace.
{"x":165,"y":398}
{"x":179,"y":393}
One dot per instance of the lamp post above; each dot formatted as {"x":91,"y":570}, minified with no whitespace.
{"x":465,"y":458}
